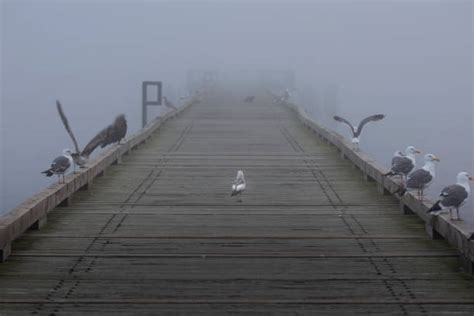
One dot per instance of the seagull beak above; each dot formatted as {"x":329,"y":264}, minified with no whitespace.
{"x":471,"y":178}
{"x":436,"y":159}
{"x":418,"y":151}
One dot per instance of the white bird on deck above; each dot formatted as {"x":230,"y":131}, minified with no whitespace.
{"x":402,"y":165}
{"x":356,"y":132}
{"x":420,"y":179}
{"x":60,"y":165}
{"x":453,"y":196}
{"x":238,"y":186}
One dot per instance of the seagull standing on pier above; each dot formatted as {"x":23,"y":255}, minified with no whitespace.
{"x":453,"y":196}
{"x":60,"y":165}
{"x":420,"y":179}
{"x":356,"y":132}
{"x":402,"y":165}
{"x":238,"y":186}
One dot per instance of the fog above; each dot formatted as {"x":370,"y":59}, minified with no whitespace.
{"x":410,"y":60}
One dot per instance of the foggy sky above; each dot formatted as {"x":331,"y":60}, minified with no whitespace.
{"x":411,"y":60}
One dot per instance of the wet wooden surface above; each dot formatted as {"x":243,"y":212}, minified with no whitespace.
{"x":160,"y":232}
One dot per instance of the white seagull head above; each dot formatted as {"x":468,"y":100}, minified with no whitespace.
{"x":411,"y":150}
{"x":431,"y":158}
{"x":464,"y":177}
{"x":67,"y":152}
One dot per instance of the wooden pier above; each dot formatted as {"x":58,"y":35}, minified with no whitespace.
{"x":157,"y":231}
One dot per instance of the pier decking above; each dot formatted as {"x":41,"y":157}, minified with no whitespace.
{"x":159,"y":232}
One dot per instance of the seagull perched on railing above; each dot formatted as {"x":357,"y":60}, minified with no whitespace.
{"x":169,"y":104}
{"x":420,"y":179}
{"x":356,"y":132}
{"x":453,"y":196}
{"x":403,"y":164}
{"x":113,"y":133}
{"x":60,"y":165}
{"x":238,"y":186}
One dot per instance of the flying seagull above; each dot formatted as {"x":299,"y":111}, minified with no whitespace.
{"x":169,"y":104}
{"x":238,"y":186}
{"x":113,"y":133}
{"x":453,"y":196}
{"x":76,"y":156}
{"x":60,"y":165}
{"x":403,"y":164}
{"x":420,"y":179}
{"x":356,"y":132}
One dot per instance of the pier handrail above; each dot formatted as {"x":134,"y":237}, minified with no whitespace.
{"x":32,"y":213}
{"x":459,"y":234}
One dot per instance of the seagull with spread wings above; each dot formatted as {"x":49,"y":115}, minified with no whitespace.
{"x":356,"y":132}
{"x":113,"y":133}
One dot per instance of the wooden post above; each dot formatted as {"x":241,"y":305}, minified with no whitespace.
{"x":5,"y":252}
{"x":40,"y":223}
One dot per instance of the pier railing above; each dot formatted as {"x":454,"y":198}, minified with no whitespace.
{"x":32,"y":213}
{"x":458,"y":233}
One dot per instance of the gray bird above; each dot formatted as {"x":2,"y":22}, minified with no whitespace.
{"x":453,"y":196}
{"x":420,"y":179}
{"x":60,"y":165}
{"x":402,"y":165}
{"x":357,"y":132}
{"x":113,"y":133}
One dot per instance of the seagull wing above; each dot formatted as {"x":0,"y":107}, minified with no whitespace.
{"x":99,"y":140}
{"x":343,"y":120}
{"x":66,"y":125}
{"x":453,"y":195}
{"x":372,"y":118}
{"x":111,"y":134}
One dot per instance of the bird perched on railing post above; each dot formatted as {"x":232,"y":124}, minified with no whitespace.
{"x":402,"y":165}
{"x":420,"y":179}
{"x":356,"y":132}
{"x":453,"y":196}
{"x":60,"y":165}
{"x":113,"y":133}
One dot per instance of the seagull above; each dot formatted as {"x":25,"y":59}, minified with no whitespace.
{"x":453,"y":196}
{"x":421,"y":178}
{"x":238,"y":186}
{"x":60,"y":165}
{"x":403,"y":164}
{"x":169,"y":104}
{"x":113,"y":133}
{"x":76,"y":157}
{"x":356,"y":133}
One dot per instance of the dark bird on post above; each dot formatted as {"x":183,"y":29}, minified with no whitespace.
{"x":113,"y":133}
{"x":453,"y":196}
{"x":357,"y":132}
